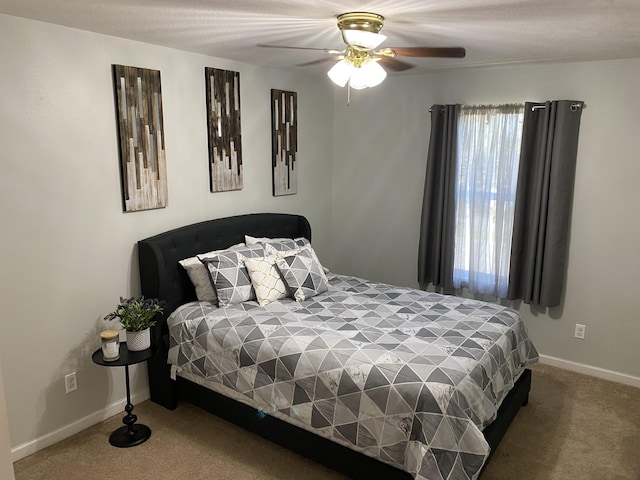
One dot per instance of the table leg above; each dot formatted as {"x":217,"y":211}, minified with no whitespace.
{"x":132,"y":433}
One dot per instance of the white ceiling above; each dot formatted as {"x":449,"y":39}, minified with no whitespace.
{"x":492,"y":31}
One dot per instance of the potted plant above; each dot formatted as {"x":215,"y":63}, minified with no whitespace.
{"x":136,"y":315}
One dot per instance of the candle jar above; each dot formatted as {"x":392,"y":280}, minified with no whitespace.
{"x":110,"y":345}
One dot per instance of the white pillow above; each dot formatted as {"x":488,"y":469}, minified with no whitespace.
{"x":199,"y":275}
{"x":265,"y":279}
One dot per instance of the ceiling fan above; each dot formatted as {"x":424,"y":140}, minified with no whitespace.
{"x":360,"y":64}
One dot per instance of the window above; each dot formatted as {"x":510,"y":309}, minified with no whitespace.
{"x":477,"y":159}
{"x":489,"y":139}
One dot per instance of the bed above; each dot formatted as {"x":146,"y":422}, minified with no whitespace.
{"x":451,"y":372}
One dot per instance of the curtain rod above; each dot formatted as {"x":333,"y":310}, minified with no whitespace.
{"x":488,"y":106}
{"x":574,"y":107}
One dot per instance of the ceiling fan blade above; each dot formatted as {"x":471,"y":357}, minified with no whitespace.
{"x":440,"y":52}
{"x":318,"y":62}
{"x":394,"y":64}
{"x":326,"y":50}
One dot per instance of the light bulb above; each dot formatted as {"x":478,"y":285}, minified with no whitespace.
{"x":340,"y":72}
{"x":369,"y":74}
{"x":374,"y":73}
{"x":362,"y":38}
{"x":359,"y":79}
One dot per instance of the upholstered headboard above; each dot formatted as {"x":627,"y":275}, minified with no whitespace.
{"x":162,"y":277}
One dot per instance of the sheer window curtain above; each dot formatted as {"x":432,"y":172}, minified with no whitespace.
{"x":488,"y":153}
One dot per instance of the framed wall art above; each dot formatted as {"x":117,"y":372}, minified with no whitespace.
{"x":284,"y":142}
{"x":223,"y":124}
{"x":143,"y":168}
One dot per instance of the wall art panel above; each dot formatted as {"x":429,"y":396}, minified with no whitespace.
{"x":284,"y":142}
{"x":223,"y":122}
{"x":143,"y":167}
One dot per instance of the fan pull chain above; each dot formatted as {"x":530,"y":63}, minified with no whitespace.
{"x":348,"y":94}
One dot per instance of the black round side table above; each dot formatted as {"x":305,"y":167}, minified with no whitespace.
{"x":132,"y":433}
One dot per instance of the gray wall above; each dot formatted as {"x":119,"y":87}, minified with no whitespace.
{"x":379,"y":166}
{"x":6,"y":465}
{"x":68,"y":250}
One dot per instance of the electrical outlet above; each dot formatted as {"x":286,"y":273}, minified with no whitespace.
{"x":579,"y":331}
{"x":70,"y":382}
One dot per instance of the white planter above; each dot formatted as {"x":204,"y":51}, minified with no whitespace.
{"x":137,"y":341}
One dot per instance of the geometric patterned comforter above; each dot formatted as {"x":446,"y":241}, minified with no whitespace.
{"x":406,"y":376}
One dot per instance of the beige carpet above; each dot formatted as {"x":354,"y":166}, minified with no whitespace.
{"x":575,"y":427}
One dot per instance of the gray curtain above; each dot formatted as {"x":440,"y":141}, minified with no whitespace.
{"x":436,"y":247}
{"x":543,"y":201}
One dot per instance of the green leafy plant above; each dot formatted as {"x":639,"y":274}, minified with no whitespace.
{"x":136,"y":313}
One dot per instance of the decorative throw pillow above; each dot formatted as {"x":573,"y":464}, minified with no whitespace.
{"x":199,"y":275}
{"x":280,"y":244}
{"x":265,"y":279}
{"x":269,"y":250}
{"x":273,"y":245}
{"x":302,"y":274}
{"x":229,"y":275}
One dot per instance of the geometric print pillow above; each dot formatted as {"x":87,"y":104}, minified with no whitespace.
{"x":279,"y":244}
{"x":265,"y":279}
{"x":280,"y":250}
{"x":229,"y":274}
{"x":275,"y":245}
{"x":199,"y":275}
{"x":302,"y":274}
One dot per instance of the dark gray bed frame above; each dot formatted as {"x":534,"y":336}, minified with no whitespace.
{"x":162,"y":277}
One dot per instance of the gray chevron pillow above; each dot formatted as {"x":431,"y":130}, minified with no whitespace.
{"x":302,"y":274}
{"x":229,"y":274}
{"x":199,"y":275}
{"x":280,"y":244}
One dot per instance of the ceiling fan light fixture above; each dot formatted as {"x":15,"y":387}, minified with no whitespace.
{"x":377,"y":74}
{"x":361,"y":33}
{"x":371,"y":22}
{"x":361,"y":29}
{"x":362,"y":38}
{"x":341,"y":72}
{"x":359,"y":79}
{"x":368,"y":74}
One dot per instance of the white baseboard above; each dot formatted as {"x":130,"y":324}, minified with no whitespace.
{"x":589,"y":370}
{"x":49,"y":439}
